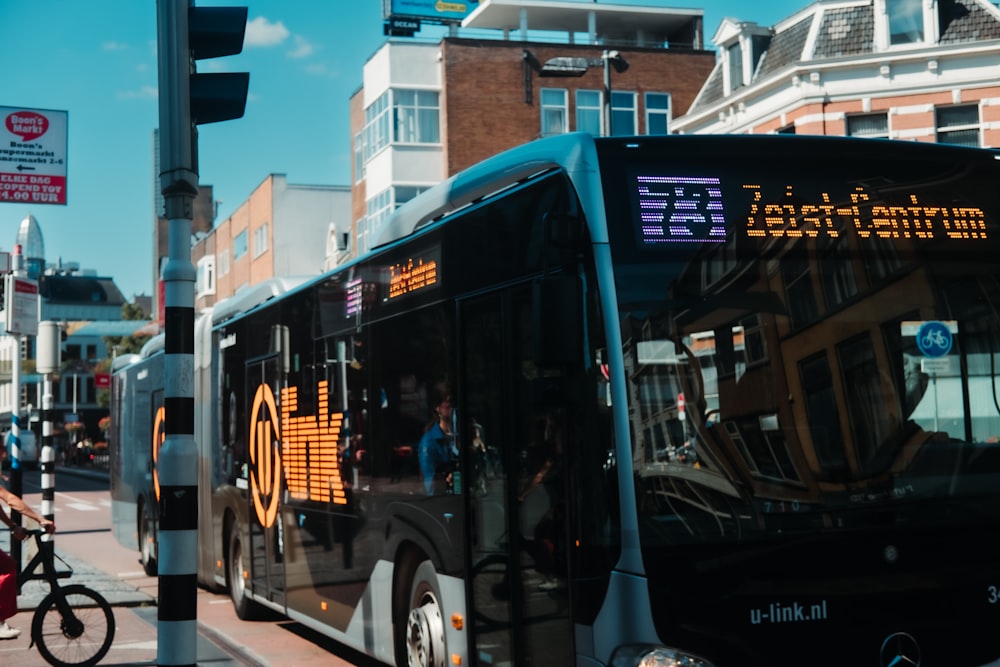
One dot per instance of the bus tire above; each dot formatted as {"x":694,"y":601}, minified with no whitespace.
{"x":424,"y":633}
{"x":235,"y":577}
{"x":147,"y":542}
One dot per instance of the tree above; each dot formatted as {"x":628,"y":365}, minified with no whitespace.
{"x":128,"y":344}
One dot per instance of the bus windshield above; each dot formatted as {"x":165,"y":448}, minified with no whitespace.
{"x":811,"y":347}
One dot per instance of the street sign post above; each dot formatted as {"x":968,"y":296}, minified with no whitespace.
{"x":33,"y":156}
{"x":22,"y":308}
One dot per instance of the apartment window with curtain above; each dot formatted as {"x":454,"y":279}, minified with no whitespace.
{"x":657,"y":113}
{"x":418,"y":116}
{"x":588,"y":111}
{"x":555,"y":111}
{"x":260,"y":238}
{"x":623,"y":113}
{"x":870,"y":126}
{"x":223,"y":262}
{"x":958,"y":125}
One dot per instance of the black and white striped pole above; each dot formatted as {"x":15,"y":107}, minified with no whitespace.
{"x":185,"y":33}
{"x":48,"y":358}
{"x":177,"y":607}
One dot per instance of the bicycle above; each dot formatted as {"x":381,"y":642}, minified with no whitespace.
{"x":73,"y":626}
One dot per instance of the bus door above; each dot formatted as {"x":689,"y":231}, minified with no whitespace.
{"x":265,"y":379}
{"x":519,"y":597}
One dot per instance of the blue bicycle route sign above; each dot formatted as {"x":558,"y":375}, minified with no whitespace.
{"x":934,"y":339}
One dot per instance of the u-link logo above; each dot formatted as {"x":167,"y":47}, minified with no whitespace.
{"x":265,"y":459}
{"x":159,"y":435}
{"x":302,"y":447}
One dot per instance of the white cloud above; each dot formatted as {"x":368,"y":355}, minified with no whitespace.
{"x":261,"y":32}
{"x":114,"y":46}
{"x":143,"y":93}
{"x":303,"y":48}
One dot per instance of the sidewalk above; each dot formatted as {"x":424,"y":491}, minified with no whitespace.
{"x":223,"y":639}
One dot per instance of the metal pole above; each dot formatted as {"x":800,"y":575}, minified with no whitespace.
{"x":177,"y":465}
{"x":48,"y":358}
{"x":606,"y":59}
{"x":16,"y":474}
{"x":48,"y":456}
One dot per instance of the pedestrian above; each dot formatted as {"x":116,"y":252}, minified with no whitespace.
{"x":8,"y":568}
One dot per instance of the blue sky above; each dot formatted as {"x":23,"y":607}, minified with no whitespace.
{"x":96,"y":59}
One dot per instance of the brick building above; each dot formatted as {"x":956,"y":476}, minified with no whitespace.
{"x":279,"y":231}
{"x":904,"y":69}
{"x":428,"y":109}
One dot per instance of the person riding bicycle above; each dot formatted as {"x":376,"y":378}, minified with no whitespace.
{"x":8,"y":568}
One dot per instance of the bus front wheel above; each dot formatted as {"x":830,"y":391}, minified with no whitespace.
{"x":236,"y":576}
{"x":425,"y":625}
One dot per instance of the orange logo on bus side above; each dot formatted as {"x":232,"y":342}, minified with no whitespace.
{"x":159,"y":435}
{"x":311,"y":448}
{"x":303,"y":447}
{"x":265,"y":473}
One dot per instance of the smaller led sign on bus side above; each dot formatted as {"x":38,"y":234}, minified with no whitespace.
{"x":416,"y":274}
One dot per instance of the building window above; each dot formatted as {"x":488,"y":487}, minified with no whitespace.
{"x":376,"y":126}
{"x":417,"y":115}
{"x":906,"y":21}
{"x":240,"y":245}
{"x":657,"y":113}
{"x":797,"y":277}
{"x":623,"y":113}
{"x":735,"y":53}
{"x":588,"y":111}
{"x":823,"y":415}
{"x":359,"y":156}
{"x":378,"y":209}
{"x":205,"y":277}
{"x":260,"y":241}
{"x":958,"y":125}
{"x":869,"y":126}
{"x":555,"y":111}
{"x":223,"y":262}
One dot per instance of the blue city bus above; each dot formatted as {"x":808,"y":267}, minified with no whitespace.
{"x":689,"y":400}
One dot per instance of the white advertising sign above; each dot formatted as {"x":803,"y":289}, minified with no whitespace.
{"x":22,"y":307}
{"x":33,"y":155}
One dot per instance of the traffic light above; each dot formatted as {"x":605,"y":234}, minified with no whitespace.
{"x":214,"y":32}
{"x":185,"y":35}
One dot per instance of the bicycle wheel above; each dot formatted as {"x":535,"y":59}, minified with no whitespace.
{"x":79,"y":639}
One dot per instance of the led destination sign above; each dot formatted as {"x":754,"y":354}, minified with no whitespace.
{"x":413,"y":275}
{"x":686,"y":209}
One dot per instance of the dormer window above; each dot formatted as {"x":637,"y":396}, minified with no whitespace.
{"x":906,"y":21}
{"x":743,"y":45}
{"x":735,"y":53}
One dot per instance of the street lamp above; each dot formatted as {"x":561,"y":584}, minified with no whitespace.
{"x":568,"y":66}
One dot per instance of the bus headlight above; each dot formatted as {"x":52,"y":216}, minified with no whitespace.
{"x":655,"y":656}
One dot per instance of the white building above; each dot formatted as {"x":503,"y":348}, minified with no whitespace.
{"x":902,"y":69}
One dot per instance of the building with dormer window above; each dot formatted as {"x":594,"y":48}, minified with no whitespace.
{"x":920,"y":70}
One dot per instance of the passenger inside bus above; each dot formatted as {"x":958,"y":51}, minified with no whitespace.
{"x":436,"y":451}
